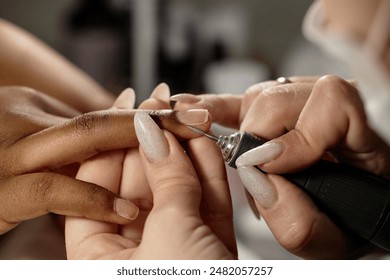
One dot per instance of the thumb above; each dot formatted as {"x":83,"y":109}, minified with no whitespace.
{"x":169,"y":171}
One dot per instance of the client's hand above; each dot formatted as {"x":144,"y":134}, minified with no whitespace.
{"x":42,"y":141}
{"x":190,"y":212}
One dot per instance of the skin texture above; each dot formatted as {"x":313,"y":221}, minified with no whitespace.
{"x":42,"y":143}
{"x":169,"y":186}
{"x":310,"y":118}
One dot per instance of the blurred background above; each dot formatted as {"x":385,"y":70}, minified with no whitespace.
{"x":193,"y":45}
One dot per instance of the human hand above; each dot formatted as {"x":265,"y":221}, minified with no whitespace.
{"x":306,"y":121}
{"x":190,"y":209}
{"x":41,"y":137}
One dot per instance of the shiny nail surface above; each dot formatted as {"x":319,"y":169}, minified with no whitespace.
{"x":193,"y":116}
{"x":258,"y":185}
{"x":125,"y":208}
{"x":150,"y":137}
{"x":260,"y":155}
{"x":186,"y":98}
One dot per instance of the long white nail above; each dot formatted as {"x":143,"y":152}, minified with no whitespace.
{"x":125,"y":100}
{"x":150,"y":137}
{"x":260,"y":155}
{"x":258,"y":185}
{"x":162,"y":93}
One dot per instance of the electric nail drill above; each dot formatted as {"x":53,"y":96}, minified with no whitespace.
{"x":353,"y":198}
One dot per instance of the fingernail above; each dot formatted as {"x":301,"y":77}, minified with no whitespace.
{"x":125,"y":100}
{"x":150,"y":137}
{"x":258,"y":185}
{"x":193,"y":116}
{"x":252,"y":205}
{"x":162,"y":93}
{"x":261,"y":155}
{"x":125,"y":209}
{"x":186,"y":98}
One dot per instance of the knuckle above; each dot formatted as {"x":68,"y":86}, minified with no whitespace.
{"x":42,"y":187}
{"x":176,"y":183}
{"x":100,"y":196}
{"x":86,"y":123}
{"x":335,"y":87}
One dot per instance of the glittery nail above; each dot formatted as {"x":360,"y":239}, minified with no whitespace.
{"x":260,"y":155}
{"x":150,"y":137}
{"x":258,"y":185}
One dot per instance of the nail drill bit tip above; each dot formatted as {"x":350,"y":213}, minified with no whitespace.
{"x":201,"y":132}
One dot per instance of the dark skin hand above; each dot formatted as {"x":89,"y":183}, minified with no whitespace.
{"x":42,"y":140}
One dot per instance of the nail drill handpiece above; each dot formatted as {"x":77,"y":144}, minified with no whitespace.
{"x":356,"y":200}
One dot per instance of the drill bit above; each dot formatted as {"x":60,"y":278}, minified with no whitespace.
{"x":201,"y":132}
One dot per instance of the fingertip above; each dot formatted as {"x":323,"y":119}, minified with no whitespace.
{"x":126,"y":209}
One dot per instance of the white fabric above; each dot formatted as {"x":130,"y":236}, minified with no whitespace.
{"x":364,"y":59}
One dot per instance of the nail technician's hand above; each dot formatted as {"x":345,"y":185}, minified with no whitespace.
{"x":189,"y":216}
{"x":306,"y":119}
{"x":40,"y":136}
{"x":330,"y":120}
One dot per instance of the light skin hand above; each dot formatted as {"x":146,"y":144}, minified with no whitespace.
{"x":43,"y":141}
{"x":305,"y":122}
{"x":196,"y":195}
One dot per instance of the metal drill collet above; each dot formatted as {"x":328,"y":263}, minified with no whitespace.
{"x":228,"y":145}
{"x":233,"y":145}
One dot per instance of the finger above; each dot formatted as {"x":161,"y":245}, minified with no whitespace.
{"x":225,"y":109}
{"x":29,"y":111}
{"x":216,"y":206}
{"x":135,"y":188}
{"x":135,"y":185}
{"x":169,"y":171}
{"x":333,"y":115}
{"x":293,"y":218}
{"x":28,"y":96}
{"x":159,"y":98}
{"x":104,"y":169}
{"x":31,"y":195}
{"x":89,"y":134}
{"x":276,"y":110}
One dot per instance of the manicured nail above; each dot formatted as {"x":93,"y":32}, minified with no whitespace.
{"x":193,"y":116}
{"x":150,"y":137}
{"x":261,"y":155}
{"x":258,"y":185}
{"x":252,"y":205}
{"x":186,"y":98}
{"x":126,"y":209}
{"x":162,"y":93}
{"x":125,"y":100}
